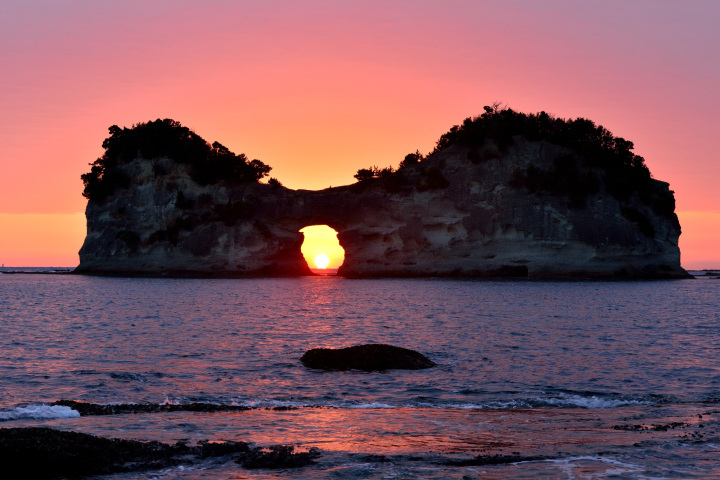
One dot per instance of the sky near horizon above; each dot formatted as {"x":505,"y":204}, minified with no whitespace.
{"x":319,"y":89}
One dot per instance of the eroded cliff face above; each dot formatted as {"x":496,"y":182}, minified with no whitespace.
{"x":457,"y":213}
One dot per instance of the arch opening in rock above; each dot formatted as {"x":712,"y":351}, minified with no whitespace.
{"x":322,"y":250}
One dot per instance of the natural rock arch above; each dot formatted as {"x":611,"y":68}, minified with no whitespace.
{"x":463,"y":211}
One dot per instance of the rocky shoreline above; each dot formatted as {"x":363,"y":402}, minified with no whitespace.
{"x":49,"y":454}
{"x":45,"y":453}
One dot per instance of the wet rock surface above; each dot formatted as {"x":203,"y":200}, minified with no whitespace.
{"x":45,"y":453}
{"x":87,"y":409}
{"x":278,"y":456}
{"x":370,"y":357}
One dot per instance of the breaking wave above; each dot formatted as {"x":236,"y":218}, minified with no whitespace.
{"x":38,"y":412}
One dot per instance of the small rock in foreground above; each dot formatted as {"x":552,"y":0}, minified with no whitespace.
{"x":370,"y":357}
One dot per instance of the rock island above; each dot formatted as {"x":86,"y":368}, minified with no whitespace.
{"x":503,"y":194}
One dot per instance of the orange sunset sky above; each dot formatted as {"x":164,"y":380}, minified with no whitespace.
{"x":318,"y":89}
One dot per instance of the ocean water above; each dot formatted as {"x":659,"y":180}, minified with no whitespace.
{"x":574,"y":380}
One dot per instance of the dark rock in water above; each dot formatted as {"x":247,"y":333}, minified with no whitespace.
{"x":220,"y":449}
{"x":371,"y":357}
{"x":278,"y":456}
{"x":88,"y":409}
{"x":45,"y":453}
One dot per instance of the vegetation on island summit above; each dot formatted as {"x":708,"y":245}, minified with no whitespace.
{"x":166,"y":138}
{"x":591,"y":160}
{"x":596,"y":159}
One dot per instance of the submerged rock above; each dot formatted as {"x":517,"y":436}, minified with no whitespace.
{"x":87,"y":409}
{"x":370,"y":357}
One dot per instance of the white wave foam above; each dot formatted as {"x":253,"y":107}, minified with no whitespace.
{"x":272,"y":404}
{"x":265,"y":403}
{"x":590,"y":402}
{"x":40,"y":412}
{"x":566,"y":401}
{"x":374,"y":405}
{"x":472,"y":406}
{"x":562,"y":401}
{"x":614,"y":467}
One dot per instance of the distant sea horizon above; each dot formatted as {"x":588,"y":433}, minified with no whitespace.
{"x":317,"y":271}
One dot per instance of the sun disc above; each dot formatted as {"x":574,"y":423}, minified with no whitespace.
{"x":321,"y":261}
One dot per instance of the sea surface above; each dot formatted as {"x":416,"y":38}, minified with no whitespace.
{"x":561,"y":380}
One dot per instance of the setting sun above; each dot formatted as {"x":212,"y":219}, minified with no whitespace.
{"x":321,"y":261}
{"x":321,"y":248}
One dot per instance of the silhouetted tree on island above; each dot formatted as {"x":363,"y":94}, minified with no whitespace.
{"x":595,"y":161}
{"x":166,"y":138}
{"x":411,"y":159}
{"x":373,"y":172}
{"x":365,"y":174}
{"x":598,"y":159}
{"x":275,"y":183}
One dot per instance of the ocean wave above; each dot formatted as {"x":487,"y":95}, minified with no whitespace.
{"x":373,"y":405}
{"x":597,"y":401}
{"x":614,"y":467}
{"x":563,"y":400}
{"x":39,"y":412}
{"x":265,"y":403}
{"x":593,"y":401}
{"x":233,"y":402}
{"x":128,"y":377}
{"x":278,"y":404}
{"x":218,"y":404}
